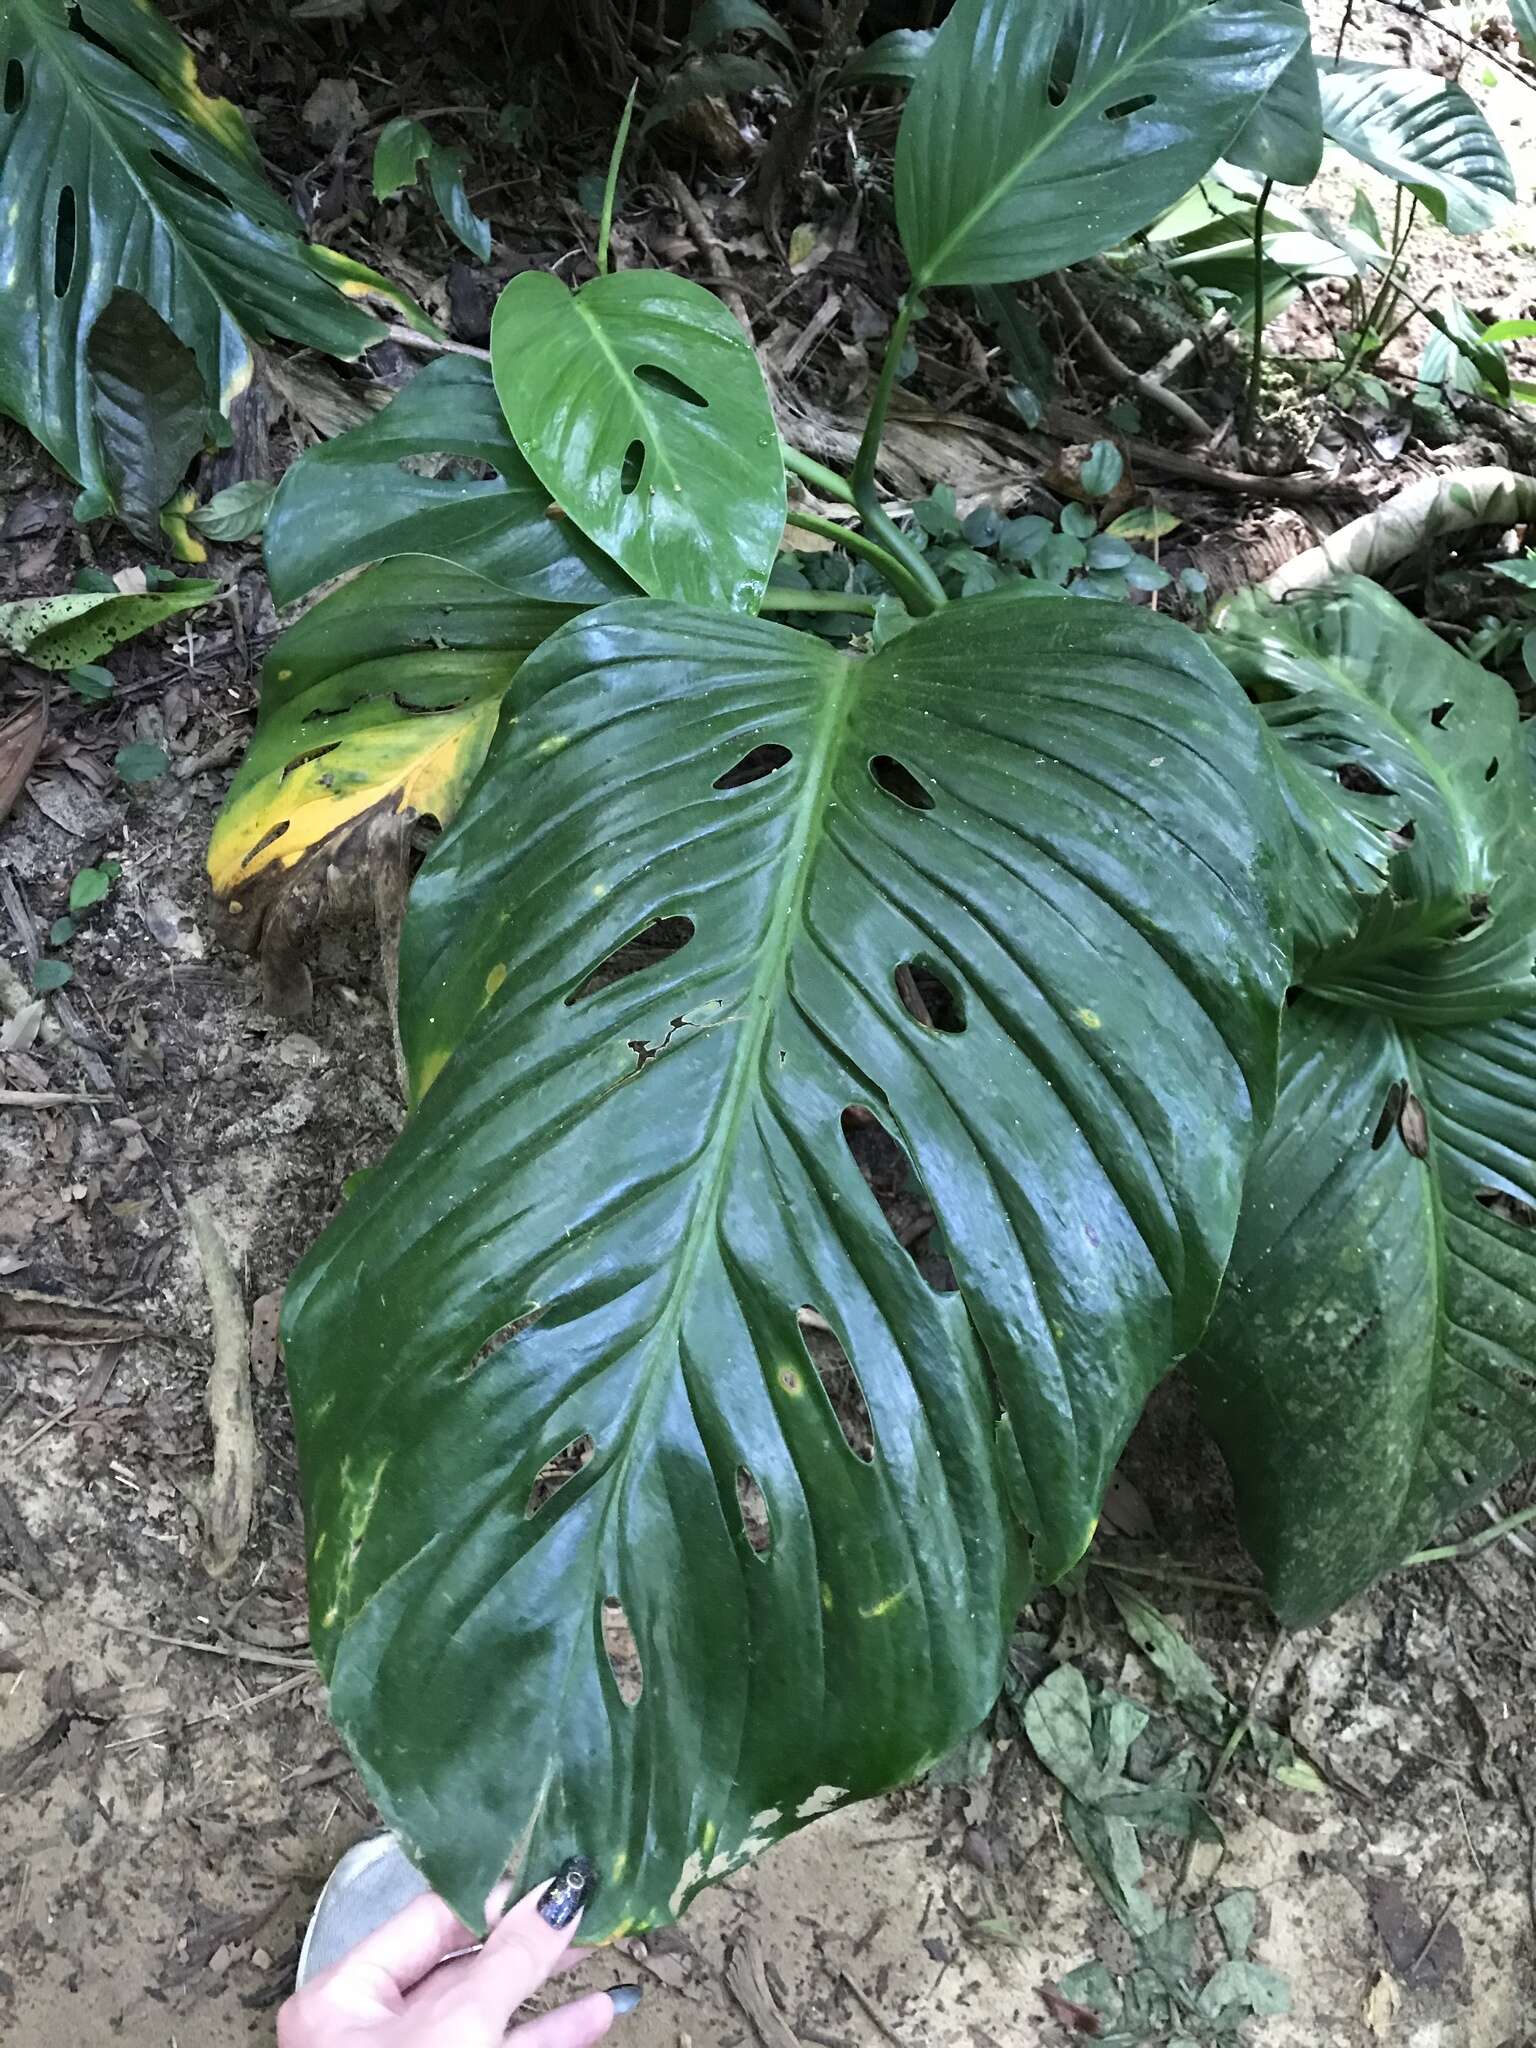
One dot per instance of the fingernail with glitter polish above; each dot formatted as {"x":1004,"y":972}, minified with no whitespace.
{"x":572,"y":1888}
{"x":623,"y":1998}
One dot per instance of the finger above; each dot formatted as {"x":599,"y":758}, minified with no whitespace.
{"x":411,"y":1944}
{"x":568,"y":2026}
{"x":522,"y":1950}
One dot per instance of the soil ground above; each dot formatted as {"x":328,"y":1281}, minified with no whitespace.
{"x":171,"y":1794}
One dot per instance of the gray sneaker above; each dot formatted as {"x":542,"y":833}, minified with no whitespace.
{"x":370,"y":1884}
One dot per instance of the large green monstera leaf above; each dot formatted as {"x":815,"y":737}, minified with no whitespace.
{"x":640,"y":405}
{"x":999,"y":898}
{"x":1371,"y":1367}
{"x":368,"y":493}
{"x":1403,"y":766}
{"x":118,"y":172}
{"x":1037,"y":135}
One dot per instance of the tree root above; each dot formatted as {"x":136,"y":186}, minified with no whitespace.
{"x":1439,"y":505}
{"x":229,"y":1502}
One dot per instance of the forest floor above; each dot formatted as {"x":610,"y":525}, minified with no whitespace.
{"x":171,"y":1793}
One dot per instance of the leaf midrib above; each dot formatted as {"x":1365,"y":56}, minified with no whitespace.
{"x":1071,"y":112}
{"x":626,"y":384}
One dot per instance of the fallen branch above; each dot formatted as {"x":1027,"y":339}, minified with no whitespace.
{"x":229,"y":1503}
{"x":1438,"y":505}
{"x":707,"y":242}
{"x":1071,"y":309}
{"x":1283,"y":490}
{"x":45,"y":1098}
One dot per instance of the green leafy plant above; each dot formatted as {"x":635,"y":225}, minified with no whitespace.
{"x":402,"y":148}
{"x":659,"y":1495}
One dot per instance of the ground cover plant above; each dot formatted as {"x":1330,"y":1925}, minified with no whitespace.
{"x":658,"y":1495}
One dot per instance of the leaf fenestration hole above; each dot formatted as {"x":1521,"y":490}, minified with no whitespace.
{"x":1508,"y":1208}
{"x":663,"y":380}
{"x":893,"y":1180}
{"x":899,"y":781}
{"x":930,"y":997}
{"x":1491,"y":770}
{"x":658,"y":941}
{"x":64,"y":235}
{"x":1441,"y":712}
{"x":755,"y":767}
{"x":314,"y":754}
{"x":1064,"y":60}
{"x":503,"y":1335}
{"x":1362,"y":781}
{"x":194,"y":181}
{"x":1122,"y":110}
{"x":267,"y":839}
{"x":15,"y":86}
{"x":839,"y":1382}
{"x":629,"y":474}
{"x":622,"y":1651}
{"x":558,"y":1471}
{"x":756,"y":1525}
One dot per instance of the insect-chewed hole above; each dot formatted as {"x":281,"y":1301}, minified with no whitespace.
{"x":15,"y":86}
{"x":267,"y":839}
{"x":1362,"y":781}
{"x":839,"y":1382}
{"x":756,"y":1525}
{"x":194,"y":181}
{"x":663,"y":380}
{"x":314,"y":754}
{"x":1491,"y":770}
{"x":928,"y":995}
{"x":659,"y":940}
{"x":65,"y":231}
{"x":1442,"y":712}
{"x":899,"y":781}
{"x":1122,"y":110}
{"x":893,"y":1180}
{"x":621,"y":1650}
{"x":558,"y":1471}
{"x":755,"y":767}
{"x":629,"y":473}
{"x":1508,"y":1208}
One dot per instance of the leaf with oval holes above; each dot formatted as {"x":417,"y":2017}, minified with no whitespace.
{"x":1410,"y":788}
{"x":1425,"y":133}
{"x":381,"y":700}
{"x":72,"y":630}
{"x":639,"y":403}
{"x":1371,"y":1367}
{"x":731,"y":929}
{"x":372,"y":492}
{"x":1037,"y":135}
{"x":117,"y":171}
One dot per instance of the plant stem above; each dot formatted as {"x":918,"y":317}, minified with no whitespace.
{"x":866,"y":494}
{"x":1256,"y":368}
{"x":1388,"y":290}
{"x":610,"y":189}
{"x":820,"y":601}
{"x":857,"y":544}
{"x":1446,"y":1553}
{"x":827,"y":481}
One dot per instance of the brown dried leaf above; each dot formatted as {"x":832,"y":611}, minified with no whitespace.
{"x":21,"y":741}
{"x":1413,"y":1125}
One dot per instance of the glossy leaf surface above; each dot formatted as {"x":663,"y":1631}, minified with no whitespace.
{"x":116,"y":171}
{"x":1371,"y":1367}
{"x":366,"y":494}
{"x":639,"y":403}
{"x":1426,"y":133}
{"x":1037,"y":135}
{"x":614,"y":1198}
{"x":1389,"y":726}
{"x":382,"y":699}
{"x":1283,"y":136}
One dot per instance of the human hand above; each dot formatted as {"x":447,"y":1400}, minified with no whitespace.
{"x":399,"y":1989}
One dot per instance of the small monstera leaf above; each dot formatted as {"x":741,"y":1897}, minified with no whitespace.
{"x":1037,"y":135}
{"x":367,"y":494}
{"x":1371,"y":1367}
{"x":997,"y":897}
{"x":1406,"y":765}
{"x":118,"y":172}
{"x":640,"y":404}
{"x":1426,"y":133}
{"x":379,"y":703}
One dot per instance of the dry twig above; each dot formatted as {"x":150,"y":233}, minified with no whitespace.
{"x":230,"y":1501}
{"x":1071,"y":309}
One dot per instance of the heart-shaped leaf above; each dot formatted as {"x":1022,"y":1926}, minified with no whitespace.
{"x":1371,"y":1368}
{"x":368,"y":494}
{"x":984,"y":917}
{"x":117,"y":172}
{"x":1426,"y":133}
{"x":1037,"y":135}
{"x":639,"y":403}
